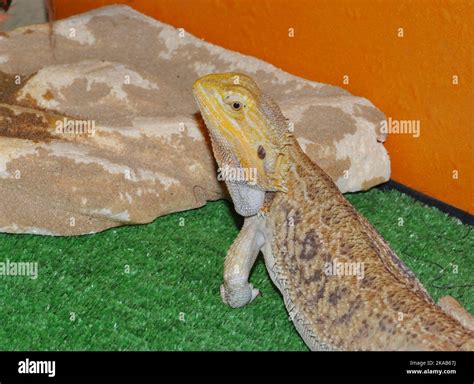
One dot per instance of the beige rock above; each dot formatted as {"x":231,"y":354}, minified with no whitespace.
{"x":100,"y":129}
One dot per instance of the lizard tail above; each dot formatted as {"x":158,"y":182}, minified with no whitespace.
{"x":468,"y":346}
{"x":452,"y":307}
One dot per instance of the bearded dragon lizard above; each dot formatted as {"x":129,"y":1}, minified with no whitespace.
{"x":301,"y":222}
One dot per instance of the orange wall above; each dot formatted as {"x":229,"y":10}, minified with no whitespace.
{"x":409,"y":78}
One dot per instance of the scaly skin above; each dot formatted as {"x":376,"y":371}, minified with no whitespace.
{"x":301,"y":222}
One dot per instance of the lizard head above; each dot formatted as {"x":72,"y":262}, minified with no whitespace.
{"x":247,"y":129}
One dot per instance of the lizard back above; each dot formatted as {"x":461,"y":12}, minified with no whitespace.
{"x":313,"y":229}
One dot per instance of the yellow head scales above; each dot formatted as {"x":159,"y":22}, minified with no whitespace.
{"x":246,"y":127}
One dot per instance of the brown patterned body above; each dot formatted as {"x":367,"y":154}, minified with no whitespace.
{"x":312,"y":225}
{"x":343,"y":286}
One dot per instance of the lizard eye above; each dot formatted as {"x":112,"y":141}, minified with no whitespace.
{"x":234,"y":102}
{"x":236,"y":106}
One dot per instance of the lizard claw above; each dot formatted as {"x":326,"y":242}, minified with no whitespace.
{"x":238,"y":296}
{"x":262,"y":213}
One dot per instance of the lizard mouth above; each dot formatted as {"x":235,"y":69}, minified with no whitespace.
{"x":198,"y":92}
{"x":204,"y":102}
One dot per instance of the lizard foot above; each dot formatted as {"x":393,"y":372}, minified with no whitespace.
{"x":238,"y":296}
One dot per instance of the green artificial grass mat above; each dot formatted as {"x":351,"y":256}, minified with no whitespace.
{"x":156,"y":286}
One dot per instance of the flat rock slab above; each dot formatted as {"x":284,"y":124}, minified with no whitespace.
{"x":98,"y":126}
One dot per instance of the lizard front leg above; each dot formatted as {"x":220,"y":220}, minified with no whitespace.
{"x":236,"y":290}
